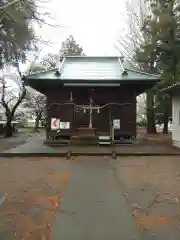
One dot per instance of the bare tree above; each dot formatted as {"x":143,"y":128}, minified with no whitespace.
{"x":132,"y":37}
{"x":17,"y":38}
{"x":13,"y":90}
{"x":11,"y":99}
{"x":129,"y":45}
{"x":37,"y":102}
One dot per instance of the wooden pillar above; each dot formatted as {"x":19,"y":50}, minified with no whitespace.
{"x":134,"y":115}
{"x":48,"y":119}
{"x":110,"y":119}
{"x":72,"y":120}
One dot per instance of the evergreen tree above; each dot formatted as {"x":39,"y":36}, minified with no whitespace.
{"x":68,"y":48}
{"x":16,"y":32}
{"x":162,"y":49}
{"x":71,"y":48}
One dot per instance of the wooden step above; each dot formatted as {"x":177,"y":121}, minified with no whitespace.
{"x":86,"y":132}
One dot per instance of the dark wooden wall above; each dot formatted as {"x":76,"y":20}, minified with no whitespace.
{"x":123,"y":106}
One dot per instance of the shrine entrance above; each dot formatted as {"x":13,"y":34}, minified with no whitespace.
{"x":81,"y":116}
{"x":93,"y":117}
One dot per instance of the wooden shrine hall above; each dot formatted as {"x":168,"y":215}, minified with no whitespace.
{"x":91,"y":97}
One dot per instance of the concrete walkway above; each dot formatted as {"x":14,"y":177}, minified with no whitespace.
{"x":34,"y":144}
{"x":2,"y":198}
{"x":93,"y":206}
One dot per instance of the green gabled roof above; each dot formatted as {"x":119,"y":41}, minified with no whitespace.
{"x":92,"y":68}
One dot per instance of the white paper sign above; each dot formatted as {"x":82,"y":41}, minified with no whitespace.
{"x":116,"y":123}
{"x":55,"y":122}
{"x":64,"y":125}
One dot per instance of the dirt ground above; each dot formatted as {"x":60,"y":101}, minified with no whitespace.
{"x":33,"y":189}
{"x":152,"y":190}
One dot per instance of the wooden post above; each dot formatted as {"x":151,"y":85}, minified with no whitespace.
{"x":90,"y":114}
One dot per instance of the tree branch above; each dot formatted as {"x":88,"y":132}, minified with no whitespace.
{"x":9,"y":4}
{"x":3,"y":102}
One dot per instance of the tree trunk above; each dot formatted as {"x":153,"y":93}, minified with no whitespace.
{"x":8,"y":131}
{"x":151,"y":128}
{"x":165,"y":121}
{"x":38,"y":117}
{"x":166,"y":118}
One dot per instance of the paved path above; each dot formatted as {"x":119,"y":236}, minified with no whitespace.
{"x":93,"y":207}
{"x":2,"y":198}
{"x":34,"y":144}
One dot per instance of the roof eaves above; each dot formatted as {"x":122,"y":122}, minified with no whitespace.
{"x":145,"y":73}
{"x":171,"y":87}
{"x":41,"y":72}
{"x":118,"y":80}
{"x":91,"y":57}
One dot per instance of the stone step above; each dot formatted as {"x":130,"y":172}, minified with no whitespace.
{"x":123,"y":142}
{"x":104,"y":143}
{"x":104,"y":140}
{"x":84,"y":140}
{"x":57,"y":142}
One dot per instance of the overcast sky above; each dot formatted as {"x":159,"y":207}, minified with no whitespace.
{"x":95,"y":24}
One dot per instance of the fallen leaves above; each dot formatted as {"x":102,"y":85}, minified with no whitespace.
{"x":154,"y":221}
{"x":151,"y":221}
{"x":175,"y":200}
{"x":135,"y":206}
{"x":32,"y":211}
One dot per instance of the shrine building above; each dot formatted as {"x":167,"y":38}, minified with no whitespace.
{"x":92,"y":96}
